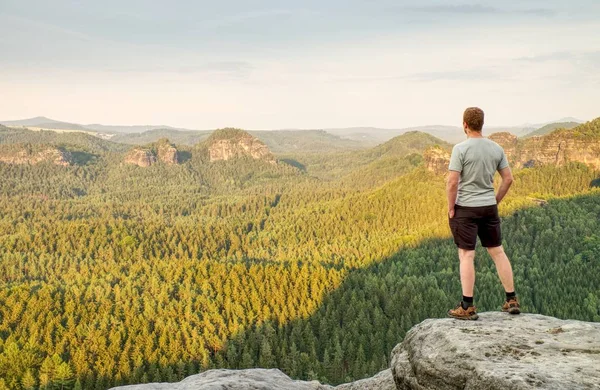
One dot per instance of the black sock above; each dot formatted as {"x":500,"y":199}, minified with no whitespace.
{"x":466,"y":302}
{"x":510,"y":295}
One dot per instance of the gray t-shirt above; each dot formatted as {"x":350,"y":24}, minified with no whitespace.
{"x":477,"y":160}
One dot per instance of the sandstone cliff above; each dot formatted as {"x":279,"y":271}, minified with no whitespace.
{"x":34,"y":154}
{"x":227,"y":144}
{"x":166,"y":152}
{"x":557,"y":148}
{"x":579,"y":144}
{"x":437,"y":159}
{"x":142,"y":157}
{"x":145,"y":156}
{"x":497,"y":352}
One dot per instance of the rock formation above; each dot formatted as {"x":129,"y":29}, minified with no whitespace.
{"x":580,"y":144}
{"x":437,"y":159}
{"x":145,"y":156}
{"x":166,"y":152}
{"x":251,"y":379}
{"x":508,"y":142}
{"x":142,"y":157}
{"x":497,"y":352}
{"x":34,"y":154}
{"x":557,"y":148}
{"x":227,"y":144}
{"x":381,"y":381}
{"x":262,"y":379}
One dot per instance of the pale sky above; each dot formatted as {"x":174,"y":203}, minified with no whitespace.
{"x":267,"y":64}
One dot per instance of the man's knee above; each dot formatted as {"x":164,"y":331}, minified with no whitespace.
{"x":466,"y":254}
{"x":494,"y":251}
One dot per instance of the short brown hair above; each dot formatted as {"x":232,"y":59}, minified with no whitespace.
{"x":473,"y":117}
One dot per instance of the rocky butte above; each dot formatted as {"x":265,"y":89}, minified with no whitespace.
{"x":497,"y":352}
{"x":34,"y":154}
{"x":145,"y":156}
{"x":227,"y":144}
{"x":579,"y":144}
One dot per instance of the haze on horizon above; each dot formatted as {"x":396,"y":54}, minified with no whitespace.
{"x":270,"y":64}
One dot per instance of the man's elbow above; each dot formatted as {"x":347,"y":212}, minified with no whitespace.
{"x":452,"y":184}
{"x":508,"y":180}
{"x":452,"y":187}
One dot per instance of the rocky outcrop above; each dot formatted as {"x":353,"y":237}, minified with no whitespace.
{"x":579,"y":144}
{"x":251,"y":379}
{"x":166,"y":152}
{"x":508,"y":142}
{"x":437,"y":159}
{"x":227,"y":144}
{"x":145,"y":156}
{"x":499,"y":352}
{"x":142,"y":157}
{"x":382,"y":381}
{"x":34,"y":154}
{"x":262,"y":379}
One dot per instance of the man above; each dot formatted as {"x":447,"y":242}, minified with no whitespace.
{"x":473,"y":210}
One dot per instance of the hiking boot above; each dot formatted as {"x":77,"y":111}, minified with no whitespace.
{"x":461,"y":314}
{"x":512,"y":306}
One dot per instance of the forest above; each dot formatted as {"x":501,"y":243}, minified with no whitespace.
{"x":113,"y":274}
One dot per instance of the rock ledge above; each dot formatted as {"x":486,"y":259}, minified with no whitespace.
{"x":497,"y":352}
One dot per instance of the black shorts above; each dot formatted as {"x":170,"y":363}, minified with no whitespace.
{"x":470,"y":222}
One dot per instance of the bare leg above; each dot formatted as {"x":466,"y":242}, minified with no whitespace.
{"x":467,"y":271}
{"x":503,"y":267}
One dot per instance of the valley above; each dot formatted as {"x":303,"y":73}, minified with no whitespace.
{"x":153,"y":260}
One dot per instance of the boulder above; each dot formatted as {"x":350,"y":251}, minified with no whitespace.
{"x":250,"y":379}
{"x":499,"y":352}
{"x":381,"y":381}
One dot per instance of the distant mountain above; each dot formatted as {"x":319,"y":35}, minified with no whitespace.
{"x":402,"y":145}
{"x":551,"y":127}
{"x":278,"y":141}
{"x":38,"y":120}
{"x":47,"y":123}
{"x":81,"y":140}
{"x":451,"y":134}
{"x":187,"y":137}
{"x":370,"y":166}
{"x":131,"y":129}
{"x":305,"y":141}
{"x":565,"y":119}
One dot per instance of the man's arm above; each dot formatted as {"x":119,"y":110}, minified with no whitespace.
{"x":507,"y":180}
{"x":452,"y":191}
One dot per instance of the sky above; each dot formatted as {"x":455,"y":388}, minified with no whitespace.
{"x":272,"y":64}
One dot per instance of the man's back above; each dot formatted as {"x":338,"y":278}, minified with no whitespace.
{"x":477,"y":160}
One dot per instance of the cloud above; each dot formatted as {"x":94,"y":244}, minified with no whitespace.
{"x":222,"y":70}
{"x":588,"y":57}
{"x":476,"y":74}
{"x":477,"y":9}
{"x":463,"y":75}
{"x":242,"y":17}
